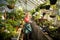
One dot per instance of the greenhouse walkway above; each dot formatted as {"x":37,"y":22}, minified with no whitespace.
{"x":37,"y":34}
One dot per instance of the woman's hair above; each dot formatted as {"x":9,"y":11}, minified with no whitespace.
{"x":28,"y":14}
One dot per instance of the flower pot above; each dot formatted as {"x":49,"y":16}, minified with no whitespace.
{"x":11,"y":6}
{"x":52,"y":2}
{"x":44,"y":14}
{"x":47,"y":7}
{"x":52,"y":16}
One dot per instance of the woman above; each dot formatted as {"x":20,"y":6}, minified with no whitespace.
{"x":27,"y":26}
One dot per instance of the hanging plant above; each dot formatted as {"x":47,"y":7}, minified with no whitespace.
{"x":45,"y":7}
{"x":52,"y":15}
{"x":11,"y":6}
{"x":52,"y":2}
{"x":11,"y":3}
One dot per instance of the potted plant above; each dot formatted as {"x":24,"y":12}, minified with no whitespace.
{"x":11,"y":3}
{"x":5,"y":34}
{"x":14,"y":35}
{"x":10,"y":32}
{"x":52,"y":2}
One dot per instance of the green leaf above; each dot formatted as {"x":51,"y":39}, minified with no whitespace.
{"x":2,"y":5}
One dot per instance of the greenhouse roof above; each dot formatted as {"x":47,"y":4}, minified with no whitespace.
{"x":26,"y":4}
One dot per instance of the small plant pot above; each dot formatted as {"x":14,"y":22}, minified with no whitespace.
{"x":52,"y":16}
{"x":11,"y":6}
{"x":52,"y":2}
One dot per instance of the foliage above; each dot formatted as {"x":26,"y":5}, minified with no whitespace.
{"x":8,"y":26}
{"x":8,"y":32}
{"x":52,"y":28}
{"x":44,"y":22}
{"x":1,"y":21}
{"x":11,"y":29}
{"x":53,"y":32}
{"x":32,"y":11}
{"x":19,"y":14}
{"x":37,"y":9}
{"x":5,"y":36}
{"x":14,"y":23}
{"x":2,"y":5}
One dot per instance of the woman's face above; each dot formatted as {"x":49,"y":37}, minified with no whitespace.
{"x":28,"y":14}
